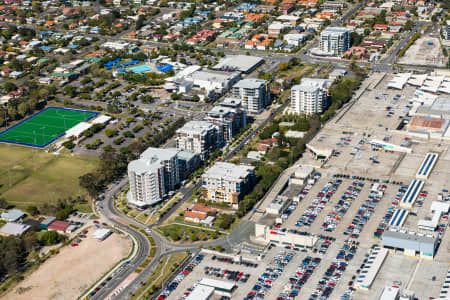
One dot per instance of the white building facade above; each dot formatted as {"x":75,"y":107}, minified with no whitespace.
{"x":335,"y":40}
{"x":310,"y":96}
{"x":254,"y":94}
{"x":200,"y":137}
{"x":152,"y":176}
{"x":227,"y":182}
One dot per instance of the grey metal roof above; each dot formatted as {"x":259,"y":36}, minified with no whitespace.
{"x":250,"y":83}
{"x":411,"y":241}
{"x":242,"y":63}
{"x":48,"y":221}
{"x":14,"y":228}
{"x":13,"y":214}
{"x":441,"y":104}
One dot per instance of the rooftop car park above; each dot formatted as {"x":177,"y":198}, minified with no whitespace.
{"x":366,"y":210}
{"x":272,"y":272}
{"x":302,"y":274}
{"x":366,"y":173}
{"x":319,"y":202}
{"x":333,"y":274}
{"x":350,"y":195}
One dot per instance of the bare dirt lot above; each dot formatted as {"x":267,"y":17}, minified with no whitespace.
{"x":426,"y":51}
{"x":73,"y":270}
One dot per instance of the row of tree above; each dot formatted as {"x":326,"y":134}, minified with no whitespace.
{"x":113,"y":164}
{"x":14,"y":250}
{"x":290,"y":149}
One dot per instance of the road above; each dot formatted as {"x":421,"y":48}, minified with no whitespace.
{"x":244,"y":229}
{"x":164,"y":248}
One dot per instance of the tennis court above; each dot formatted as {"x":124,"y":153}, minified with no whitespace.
{"x":45,"y":127}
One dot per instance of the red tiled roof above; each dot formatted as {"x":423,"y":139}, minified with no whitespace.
{"x":200,"y":207}
{"x":195,"y":215}
{"x":58,"y":225}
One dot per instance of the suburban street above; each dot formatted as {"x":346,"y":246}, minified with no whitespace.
{"x":164,"y":248}
{"x":243,"y":230}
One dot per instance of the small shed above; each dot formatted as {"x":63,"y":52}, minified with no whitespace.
{"x":47,"y":222}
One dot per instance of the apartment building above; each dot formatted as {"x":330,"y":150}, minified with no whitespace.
{"x":200,"y":137}
{"x":254,"y":94}
{"x":335,"y":40}
{"x":152,"y":176}
{"x":227,"y":182}
{"x":310,"y":96}
{"x":446,"y":30}
{"x":230,"y":119}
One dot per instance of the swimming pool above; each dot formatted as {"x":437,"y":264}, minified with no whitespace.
{"x":140,"y":69}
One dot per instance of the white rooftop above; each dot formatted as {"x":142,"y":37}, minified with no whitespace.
{"x":213,"y":76}
{"x":151,"y":159}
{"x":78,"y":129}
{"x":312,"y":84}
{"x":102,"y":119}
{"x":200,"y":292}
{"x":200,"y":127}
{"x":399,"y":81}
{"x":14,"y":228}
{"x":217,"y":283}
{"x":101,"y":233}
{"x":332,"y":30}
{"x":242,"y":63}
{"x":228,"y":171}
{"x":250,"y":83}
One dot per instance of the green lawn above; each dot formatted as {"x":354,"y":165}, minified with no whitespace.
{"x":33,"y":177}
{"x":43,"y":127}
{"x":177,"y":232}
{"x":164,"y":268}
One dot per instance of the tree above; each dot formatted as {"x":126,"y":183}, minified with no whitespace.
{"x":9,"y":87}
{"x":90,"y":182}
{"x":408,"y":25}
{"x":193,"y":237}
{"x":22,"y":109}
{"x":3,"y":203}
{"x":32,"y":210}
{"x":30,"y":240}
{"x":283,"y":66}
{"x":50,"y":237}
{"x":140,"y":22}
{"x":69,"y":145}
{"x":355,"y":39}
{"x":110,"y":132}
{"x":224,"y":221}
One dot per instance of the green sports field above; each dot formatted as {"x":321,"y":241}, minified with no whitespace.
{"x":44,"y":127}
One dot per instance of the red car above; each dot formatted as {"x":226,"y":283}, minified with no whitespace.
{"x":74,"y":245}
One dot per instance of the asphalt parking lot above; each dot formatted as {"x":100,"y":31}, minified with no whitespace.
{"x":199,"y":272}
{"x":349,"y":137}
